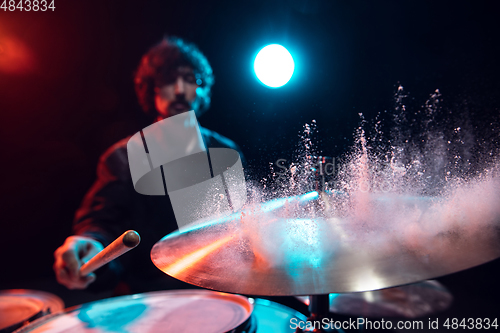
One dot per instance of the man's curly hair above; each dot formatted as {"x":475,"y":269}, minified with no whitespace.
{"x":161,"y":61}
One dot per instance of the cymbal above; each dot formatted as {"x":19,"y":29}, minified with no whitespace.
{"x":302,"y":246}
{"x":410,"y":301}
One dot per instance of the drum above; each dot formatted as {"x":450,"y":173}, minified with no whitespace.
{"x":273,"y":317}
{"x":177,"y":311}
{"x":20,"y":306}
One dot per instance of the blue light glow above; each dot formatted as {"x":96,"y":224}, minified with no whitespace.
{"x":310,"y":196}
{"x":274,"y":66}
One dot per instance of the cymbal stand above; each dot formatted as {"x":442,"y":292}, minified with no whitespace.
{"x":320,"y":171}
{"x":318,"y":304}
{"x":318,"y":308}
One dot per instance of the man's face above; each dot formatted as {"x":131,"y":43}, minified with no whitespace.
{"x":178,"y":95}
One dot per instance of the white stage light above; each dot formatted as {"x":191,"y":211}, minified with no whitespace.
{"x":274,"y":66}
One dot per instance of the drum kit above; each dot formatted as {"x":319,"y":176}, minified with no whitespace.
{"x":272,"y":250}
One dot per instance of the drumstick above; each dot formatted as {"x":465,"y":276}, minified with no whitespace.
{"x":121,"y":245}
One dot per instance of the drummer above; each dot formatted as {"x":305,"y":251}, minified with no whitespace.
{"x":173,"y":77}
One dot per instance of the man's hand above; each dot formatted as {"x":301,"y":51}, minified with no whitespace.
{"x":70,"y":256}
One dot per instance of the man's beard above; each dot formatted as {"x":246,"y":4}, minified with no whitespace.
{"x":179,"y":106}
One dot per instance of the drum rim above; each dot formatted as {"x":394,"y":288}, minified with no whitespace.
{"x":239,"y":299}
{"x":46,"y":303}
{"x":51,"y":301}
{"x":39,"y":305}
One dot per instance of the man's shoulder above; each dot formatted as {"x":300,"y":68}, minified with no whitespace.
{"x":118,"y":149}
{"x":211,"y":138}
{"x":215,"y":140}
{"x":115,"y":158}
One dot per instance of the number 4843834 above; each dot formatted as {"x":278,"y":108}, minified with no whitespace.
{"x":471,"y":323}
{"x":27,"y":5}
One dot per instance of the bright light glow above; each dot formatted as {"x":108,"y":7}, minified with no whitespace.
{"x":274,"y":66}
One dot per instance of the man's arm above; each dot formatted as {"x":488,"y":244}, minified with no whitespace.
{"x":102,"y":217}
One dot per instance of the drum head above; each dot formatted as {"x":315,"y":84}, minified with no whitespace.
{"x":165,"y":311}
{"x":21,"y":305}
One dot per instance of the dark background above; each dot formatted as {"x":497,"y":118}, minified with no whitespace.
{"x":66,"y":94}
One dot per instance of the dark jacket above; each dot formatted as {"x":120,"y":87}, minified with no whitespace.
{"x":112,"y":206}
